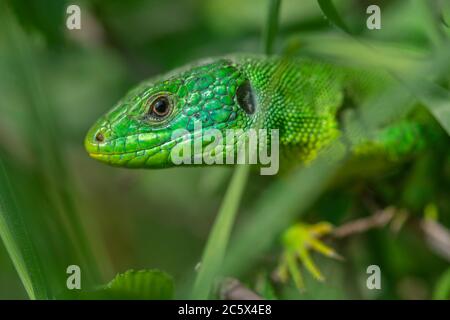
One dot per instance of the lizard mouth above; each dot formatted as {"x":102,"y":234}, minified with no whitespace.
{"x":156,"y":154}
{"x":102,"y":155}
{"x":135,"y":158}
{"x":150,"y":157}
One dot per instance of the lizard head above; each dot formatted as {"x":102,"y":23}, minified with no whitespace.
{"x":138,"y":131}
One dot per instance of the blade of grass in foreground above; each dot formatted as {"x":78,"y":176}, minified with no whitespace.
{"x":216,"y":246}
{"x":44,"y":139}
{"x":217,"y":242}
{"x":18,"y":243}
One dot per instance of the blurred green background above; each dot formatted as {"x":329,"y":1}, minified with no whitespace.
{"x":56,"y":82}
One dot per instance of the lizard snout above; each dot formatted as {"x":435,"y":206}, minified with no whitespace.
{"x":96,"y":141}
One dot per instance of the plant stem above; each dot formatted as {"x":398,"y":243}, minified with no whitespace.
{"x":214,"y":253}
{"x":218,"y":240}
{"x":271,"y":27}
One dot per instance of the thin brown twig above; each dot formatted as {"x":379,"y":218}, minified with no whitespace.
{"x":437,"y":237}
{"x":435,"y":234}
{"x":378,"y":220}
{"x":233,"y":289}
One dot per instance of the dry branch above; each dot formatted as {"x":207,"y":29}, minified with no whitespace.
{"x":233,"y":289}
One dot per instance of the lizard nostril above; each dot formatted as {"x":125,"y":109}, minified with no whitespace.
{"x":99,"y":137}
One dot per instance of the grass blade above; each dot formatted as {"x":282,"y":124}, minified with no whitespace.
{"x":329,"y":10}
{"x":437,"y":100}
{"x":218,"y":240}
{"x":44,"y":140}
{"x":271,"y":27}
{"x":18,"y":243}
{"x":214,"y":252}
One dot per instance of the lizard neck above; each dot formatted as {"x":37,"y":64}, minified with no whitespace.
{"x":298,"y":97}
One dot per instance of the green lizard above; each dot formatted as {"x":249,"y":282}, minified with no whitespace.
{"x":299,"y":97}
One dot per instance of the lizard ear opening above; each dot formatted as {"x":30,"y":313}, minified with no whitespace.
{"x":245,"y":97}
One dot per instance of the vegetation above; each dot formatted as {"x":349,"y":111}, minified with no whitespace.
{"x":60,"y":208}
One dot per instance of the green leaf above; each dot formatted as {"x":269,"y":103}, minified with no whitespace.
{"x":442,"y":290}
{"x":18,"y":243}
{"x":42,"y":16}
{"x":329,"y":10}
{"x":437,"y":100}
{"x":218,"y":240}
{"x":142,"y":284}
{"x":271,"y":27}
{"x":50,"y":162}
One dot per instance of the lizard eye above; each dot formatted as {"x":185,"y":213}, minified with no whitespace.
{"x":159,"y":108}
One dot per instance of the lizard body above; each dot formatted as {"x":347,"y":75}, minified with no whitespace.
{"x":299,"y":97}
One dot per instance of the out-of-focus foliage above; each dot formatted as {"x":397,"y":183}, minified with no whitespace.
{"x":143,"y":284}
{"x":55,"y":82}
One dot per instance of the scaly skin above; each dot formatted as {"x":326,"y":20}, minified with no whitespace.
{"x":298,"y":97}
